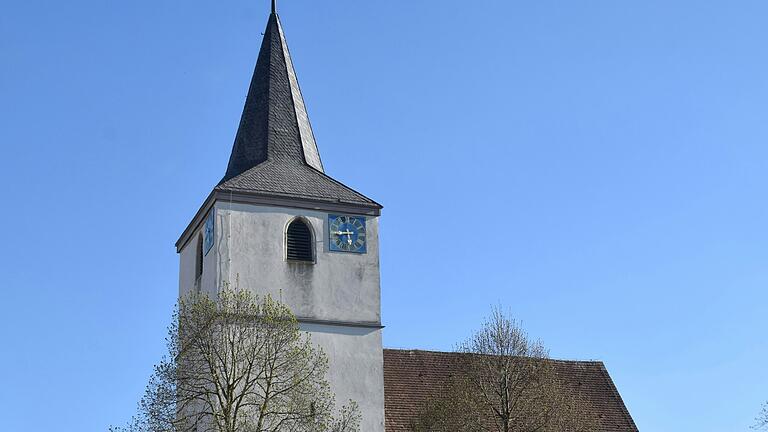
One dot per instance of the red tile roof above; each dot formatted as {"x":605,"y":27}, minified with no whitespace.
{"x":411,"y":377}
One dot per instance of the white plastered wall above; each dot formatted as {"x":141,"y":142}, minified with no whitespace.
{"x":339,"y":288}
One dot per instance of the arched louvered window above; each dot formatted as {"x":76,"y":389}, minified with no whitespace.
{"x":199,"y":258}
{"x":298,"y":242}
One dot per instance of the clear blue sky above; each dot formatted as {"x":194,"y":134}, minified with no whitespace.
{"x":599,"y":167}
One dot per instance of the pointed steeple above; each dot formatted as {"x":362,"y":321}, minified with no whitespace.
{"x":274,"y":159}
{"x":274,"y":124}
{"x":275,"y":154}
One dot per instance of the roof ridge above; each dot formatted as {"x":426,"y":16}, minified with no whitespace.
{"x":309,"y":133}
{"x":557,"y":360}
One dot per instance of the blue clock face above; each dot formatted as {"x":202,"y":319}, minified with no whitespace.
{"x":347,"y":234}
{"x":208,"y":237}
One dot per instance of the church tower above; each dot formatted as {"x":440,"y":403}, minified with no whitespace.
{"x":278,"y":224}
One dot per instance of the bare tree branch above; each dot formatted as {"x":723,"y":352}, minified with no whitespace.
{"x":239,"y":363}
{"x":508,"y":385}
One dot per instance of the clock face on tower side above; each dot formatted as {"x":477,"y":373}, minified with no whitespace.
{"x":208,"y":233}
{"x":347,"y":234}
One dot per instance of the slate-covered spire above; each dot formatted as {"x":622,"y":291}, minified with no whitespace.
{"x":274,"y":125}
{"x":275,"y":155}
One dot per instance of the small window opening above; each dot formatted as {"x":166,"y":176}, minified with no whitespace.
{"x":299,"y":242}
{"x":199,"y":260}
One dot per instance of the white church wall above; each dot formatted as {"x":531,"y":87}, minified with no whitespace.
{"x":188,"y":281}
{"x":187,"y":262}
{"x":338,"y":287}
{"x":355,"y":369}
{"x":249,"y":250}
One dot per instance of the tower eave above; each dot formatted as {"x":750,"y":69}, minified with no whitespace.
{"x":371,"y":209}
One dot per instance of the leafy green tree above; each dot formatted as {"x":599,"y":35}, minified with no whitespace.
{"x":507,"y":384}
{"x":239,"y":363}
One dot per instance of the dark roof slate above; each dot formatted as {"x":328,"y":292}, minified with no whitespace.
{"x":274,"y":152}
{"x":280,"y":179}
{"x":412,"y":377}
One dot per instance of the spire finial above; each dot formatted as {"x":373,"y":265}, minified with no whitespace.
{"x":274,"y":6}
